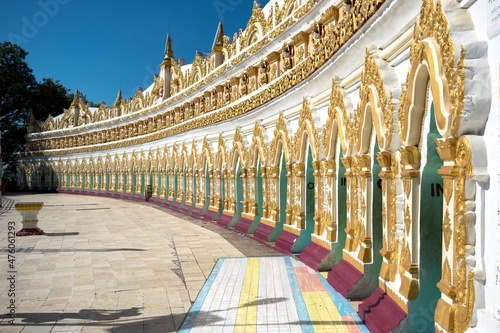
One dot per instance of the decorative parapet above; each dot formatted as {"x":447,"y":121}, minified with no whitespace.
{"x":162,"y":123}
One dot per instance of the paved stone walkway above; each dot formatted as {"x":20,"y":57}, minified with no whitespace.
{"x":109,"y":265}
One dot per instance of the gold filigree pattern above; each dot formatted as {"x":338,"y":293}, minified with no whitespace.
{"x":447,"y":230}
{"x":372,"y":77}
{"x":446,"y":272}
{"x":259,"y":142}
{"x":306,"y":123}
{"x":407,"y":219}
{"x":238,"y":145}
{"x":433,"y":25}
{"x":332,"y":43}
{"x":281,"y":133}
{"x":336,"y":112}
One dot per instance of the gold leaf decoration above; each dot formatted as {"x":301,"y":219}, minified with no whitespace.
{"x":447,"y":230}
{"x":371,"y":76}
{"x":446,"y":272}
{"x":407,"y":219}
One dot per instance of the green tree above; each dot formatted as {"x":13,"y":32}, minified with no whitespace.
{"x":17,"y":84}
{"x":20,"y":92}
{"x":50,"y":98}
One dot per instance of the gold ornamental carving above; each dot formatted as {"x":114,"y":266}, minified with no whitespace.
{"x":281,"y":134}
{"x":238,"y":145}
{"x":447,"y":230}
{"x":337,"y":113}
{"x":258,"y":143}
{"x":332,"y":43}
{"x":306,"y":123}
{"x":372,"y":91}
{"x":432,"y":43}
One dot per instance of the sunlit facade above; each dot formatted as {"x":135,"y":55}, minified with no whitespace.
{"x":363,"y":136}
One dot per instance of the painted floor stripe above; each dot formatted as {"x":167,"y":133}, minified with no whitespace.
{"x":304,"y":318}
{"x":273,"y":294}
{"x":343,"y":306}
{"x":191,"y":316}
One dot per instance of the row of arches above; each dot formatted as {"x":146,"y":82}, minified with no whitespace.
{"x":376,"y":196}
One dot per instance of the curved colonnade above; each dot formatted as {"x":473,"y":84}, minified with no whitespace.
{"x":381,"y":194}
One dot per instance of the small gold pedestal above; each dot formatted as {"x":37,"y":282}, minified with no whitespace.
{"x":29,"y":212}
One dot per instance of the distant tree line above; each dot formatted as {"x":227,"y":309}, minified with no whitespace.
{"x":20,"y":92}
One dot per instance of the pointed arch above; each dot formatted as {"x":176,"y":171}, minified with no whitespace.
{"x":259,"y":147}
{"x":238,"y":149}
{"x":49,"y":124}
{"x":375,"y":110}
{"x":91,"y":164}
{"x":183,"y":158}
{"x":101,"y":113}
{"x":116,"y":161}
{"x":149,"y":162}
{"x":173,"y":157}
{"x":337,"y":123}
{"x":206,"y":154}
{"x":133,"y":161}
{"x":138,"y":102}
{"x":256,"y":26}
{"x":221,"y":156}
{"x":281,"y":140}
{"x":194,"y":156}
{"x":141,"y":161}
{"x":432,"y":57}
{"x":306,"y":130}
{"x":107,"y":162}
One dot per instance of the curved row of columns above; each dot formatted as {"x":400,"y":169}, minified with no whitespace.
{"x":348,"y":196}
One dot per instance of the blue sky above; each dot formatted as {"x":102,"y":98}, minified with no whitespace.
{"x":100,"y":46}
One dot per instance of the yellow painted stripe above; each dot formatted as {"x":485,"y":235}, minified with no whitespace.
{"x":246,"y":317}
{"x":334,"y":314}
{"x":314,"y":315}
{"x":322,"y":308}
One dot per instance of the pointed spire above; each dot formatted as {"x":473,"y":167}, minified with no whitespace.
{"x":118,"y":98}
{"x":31,"y":122}
{"x":219,"y":37}
{"x":76,"y":98}
{"x":32,"y":116}
{"x":257,"y":4}
{"x":168,"y":48}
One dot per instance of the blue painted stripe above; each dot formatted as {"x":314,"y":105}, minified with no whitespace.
{"x":305,"y":321}
{"x":336,"y":298}
{"x":193,"y":312}
{"x":342,"y":304}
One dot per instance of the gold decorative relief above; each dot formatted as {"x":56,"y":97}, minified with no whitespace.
{"x":447,"y":230}
{"x":407,"y":220}
{"x":337,"y":113}
{"x":332,"y":42}
{"x":281,"y":133}
{"x":372,"y":91}
{"x":432,"y":43}
{"x":306,"y":123}
{"x":259,"y":142}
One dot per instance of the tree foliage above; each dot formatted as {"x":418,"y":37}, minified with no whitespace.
{"x":20,"y":92}
{"x":50,"y":98}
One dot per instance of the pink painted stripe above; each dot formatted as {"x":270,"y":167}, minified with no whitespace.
{"x":351,"y":324}
{"x":308,"y":281}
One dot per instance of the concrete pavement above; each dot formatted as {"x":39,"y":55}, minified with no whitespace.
{"x":109,"y":265}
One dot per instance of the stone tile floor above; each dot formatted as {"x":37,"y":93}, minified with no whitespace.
{"x":109,"y":265}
